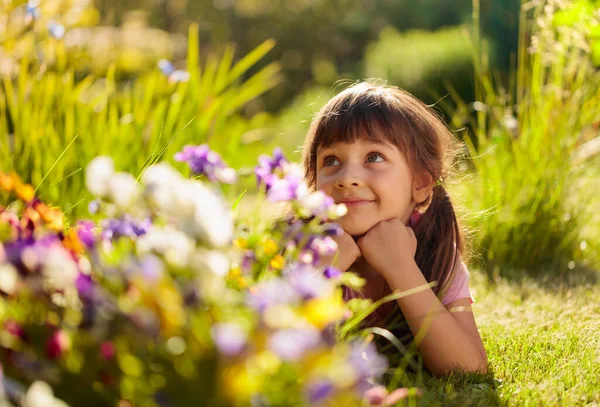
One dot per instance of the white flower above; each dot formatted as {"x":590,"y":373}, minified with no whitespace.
{"x":214,"y":260}
{"x":8,"y":278}
{"x":123,"y":189}
{"x":196,"y":209}
{"x":58,"y":266}
{"x":40,"y":394}
{"x":175,"y":246}
{"x":98,"y":173}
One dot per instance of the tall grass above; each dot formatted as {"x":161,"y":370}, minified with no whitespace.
{"x":52,"y":124}
{"x":530,"y":148}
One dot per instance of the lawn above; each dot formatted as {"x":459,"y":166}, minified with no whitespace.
{"x":543,"y":345}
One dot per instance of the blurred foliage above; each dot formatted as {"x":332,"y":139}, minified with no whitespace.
{"x":532,"y":153}
{"x":67,"y":32}
{"x":424,"y":63}
{"x":52,"y":123}
{"x":318,"y":41}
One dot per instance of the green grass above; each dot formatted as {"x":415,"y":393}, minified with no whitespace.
{"x":543,"y":345}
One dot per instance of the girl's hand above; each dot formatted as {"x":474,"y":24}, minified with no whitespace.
{"x":347,"y":253}
{"x":388,"y":246}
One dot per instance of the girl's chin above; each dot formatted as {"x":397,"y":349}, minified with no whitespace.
{"x":356,"y":229}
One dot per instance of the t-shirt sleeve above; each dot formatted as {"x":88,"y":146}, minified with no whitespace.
{"x":459,"y":288}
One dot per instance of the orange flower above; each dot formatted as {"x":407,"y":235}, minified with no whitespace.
{"x":53,"y":217}
{"x":72,"y":242}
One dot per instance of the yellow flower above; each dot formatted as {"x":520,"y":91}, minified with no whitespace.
{"x":277,"y":262}
{"x":239,"y":384}
{"x":269,"y":246}
{"x":241,"y":243}
{"x":322,"y":311}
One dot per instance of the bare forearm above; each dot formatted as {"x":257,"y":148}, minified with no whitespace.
{"x":442,"y":342}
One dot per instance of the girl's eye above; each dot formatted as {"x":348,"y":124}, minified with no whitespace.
{"x":374,"y":157}
{"x":330,"y":161}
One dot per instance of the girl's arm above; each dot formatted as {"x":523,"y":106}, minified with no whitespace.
{"x":447,"y":337}
{"x":446,"y":340}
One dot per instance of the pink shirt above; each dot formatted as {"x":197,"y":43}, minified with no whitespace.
{"x":459,"y":289}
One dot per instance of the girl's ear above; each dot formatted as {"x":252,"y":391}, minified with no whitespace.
{"x":422,"y":186}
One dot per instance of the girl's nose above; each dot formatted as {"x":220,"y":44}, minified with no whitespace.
{"x":348,"y":178}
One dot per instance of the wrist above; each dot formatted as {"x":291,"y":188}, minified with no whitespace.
{"x":404,"y":275}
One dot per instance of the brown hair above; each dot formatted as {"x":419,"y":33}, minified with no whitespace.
{"x":388,"y":114}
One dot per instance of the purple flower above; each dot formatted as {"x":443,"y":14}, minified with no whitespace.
{"x":124,"y":227}
{"x":175,"y":76}
{"x":84,"y":285}
{"x":324,"y":246}
{"x":366,"y":361}
{"x":318,"y":391}
{"x":308,"y":282}
{"x":166,"y":67}
{"x":267,"y":166}
{"x":291,"y":344}
{"x":85,"y":233}
{"x":318,"y":204}
{"x":202,"y":160}
{"x":332,"y":272}
{"x":275,"y":291}
{"x":230,"y":339}
{"x":332,"y":229}
{"x":152,"y":267}
{"x":286,"y":189}
{"x":94,"y":206}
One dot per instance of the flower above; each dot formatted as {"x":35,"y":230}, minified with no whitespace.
{"x":85,"y":233}
{"x":271,"y":292}
{"x":308,"y":282}
{"x":98,"y":174}
{"x":40,"y":394}
{"x":266,"y":167}
{"x":84,"y":285}
{"x":175,"y":76}
{"x":202,"y":160}
{"x":332,"y":272}
{"x":320,"y":204}
{"x":58,"y":344}
{"x":56,"y":30}
{"x":113,"y":229}
{"x":123,"y":189}
{"x":107,"y":350}
{"x":319,"y":390}
{"x":173,"y":245}
{"x":196,"y":209}
{"x":365,"y":360}
{"x":291,"y":344}
{"x":230,"y":338}
{"x":8,"y":278}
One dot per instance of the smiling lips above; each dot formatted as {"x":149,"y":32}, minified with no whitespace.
{"x":355,"y":202}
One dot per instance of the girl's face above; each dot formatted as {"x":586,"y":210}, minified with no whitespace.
{"x":372,"y":178}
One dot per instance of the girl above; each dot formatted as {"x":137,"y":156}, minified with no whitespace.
{"x":384,"y":154}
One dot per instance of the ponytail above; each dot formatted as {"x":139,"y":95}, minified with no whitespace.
{"x":439,"y":241}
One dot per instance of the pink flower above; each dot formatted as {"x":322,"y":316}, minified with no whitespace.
{"x":107,"y":350}
{"x":379,"y":395}
{"x":58,"y":344}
